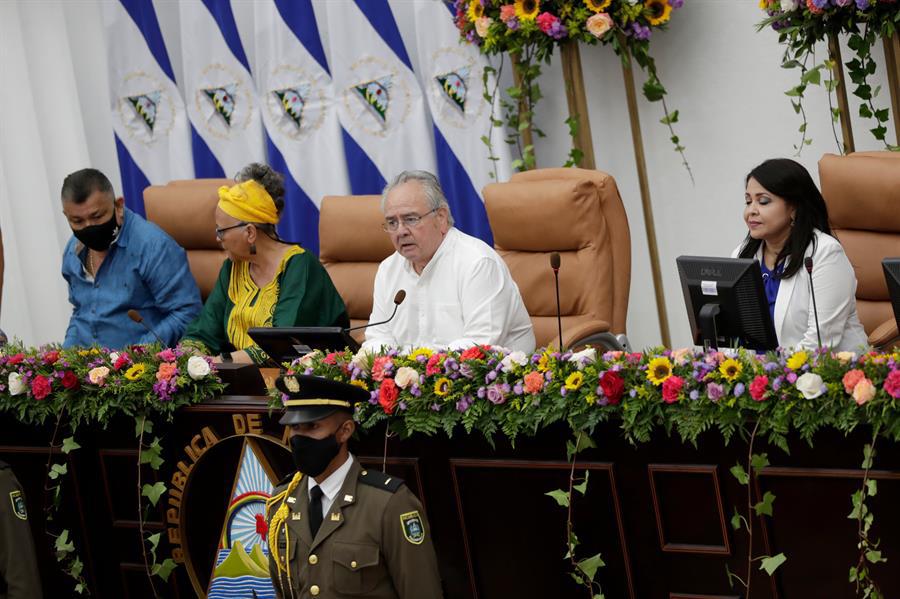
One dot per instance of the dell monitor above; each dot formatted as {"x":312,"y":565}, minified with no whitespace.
{"x":284,"y":344}
{"x":726,"y":302}
{"x":891,"y":267}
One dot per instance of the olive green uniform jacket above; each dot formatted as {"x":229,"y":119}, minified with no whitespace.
{"x":374,"y":542}
{"x":19,"y":577}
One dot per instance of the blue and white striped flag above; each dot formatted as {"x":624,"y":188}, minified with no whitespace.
{"x":303,"y":134}
{"x":451,"y":75}
{"x":151,"y":128}
{"x":380,"y":102}
{"x":226,"y":130}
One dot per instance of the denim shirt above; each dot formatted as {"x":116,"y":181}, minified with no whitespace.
{"x":144,"y":269}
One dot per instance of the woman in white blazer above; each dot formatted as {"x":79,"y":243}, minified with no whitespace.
{"x":787,"y":221}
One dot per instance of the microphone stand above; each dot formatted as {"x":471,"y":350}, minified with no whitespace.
{"x":554,"y":264}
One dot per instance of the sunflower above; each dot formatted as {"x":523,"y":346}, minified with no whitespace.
{"x":420,"y":351}
{"x":360,"y":384}
{"x":657,"y":11}
{"x":730,"y":369}
{"x":797,"y":360}
{"x":597,"y":5}
{"x":527,"y":10}
{"x":658,"y":370}
{"x":574,"y":380}
{"x":475,"y":10}
{"x":442,"y":386}
{"x":135,"y":372}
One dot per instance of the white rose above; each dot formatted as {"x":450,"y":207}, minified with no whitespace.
{"x":406,"y":376}
{"x":810,"y":385}
{"x":583,"y":357}
{"x":113,"y":357}
{"x":197,"y":367}
{"x":361,"y":358}
{"x":789,"y":5}
{"x":845,"y":357}
{"x":307,"y":360}
{"x":482,"y":25}
{"x":513,"y":359}
{"x":16,"y":386}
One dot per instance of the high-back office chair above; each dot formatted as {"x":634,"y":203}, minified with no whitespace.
{"x":862,"y":191}
{"x":579,"y":214}
{"x":186,"y":211}
{"x":351,"y":245}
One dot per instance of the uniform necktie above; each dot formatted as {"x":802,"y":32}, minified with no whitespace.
{"x":315,"y":509}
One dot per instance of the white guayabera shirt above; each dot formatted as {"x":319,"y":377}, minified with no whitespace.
{"x":464,"y":296}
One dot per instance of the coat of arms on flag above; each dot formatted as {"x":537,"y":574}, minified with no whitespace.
{"x":455,"y":86}
{"x":223,"y":100}
{"x":376,"y":95}
{"x":145,"y":107}
{"x":293,"y":99}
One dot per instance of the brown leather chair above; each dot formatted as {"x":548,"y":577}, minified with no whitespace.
{"x":579,"y":214}
{"x":862,"y":191}
{"x":351,"y":246}
{"x":186,"y":211}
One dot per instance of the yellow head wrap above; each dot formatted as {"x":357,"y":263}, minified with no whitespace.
{"x":249,"y":202}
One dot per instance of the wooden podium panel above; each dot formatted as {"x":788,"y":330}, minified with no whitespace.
{"x":658,"y":513}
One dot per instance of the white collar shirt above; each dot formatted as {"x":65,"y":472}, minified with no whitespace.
{"x":331,"y":486}
{"x":464,"y":296}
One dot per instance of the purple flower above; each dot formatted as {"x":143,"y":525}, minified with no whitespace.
{"x":715,"y":391}
{"x":770,"y":366}
{"x":450,"y":365}
{"x":676,"y":3}
{"x":862,"y":4}
{"x":632,"y":393}
{"x":415,"y":391}
{"x":792,"y":377}
{"x":843,"y":2}
{"x":776,"y":384}
{"x":495,"y":395}
{"x":821,"y":3}
{"x":463,"y":404}
{"x":548,"y":376}
{"x":402,"y":405}
{"x":490,"y":376}
{"x":513,"y":24}
{"x":517,"y":389}
{"x":481,"y":392}
{"x":436,"y":407}
{"x":640,"y":32}
{"x":739,"y":389}
{"x":694,"y":394}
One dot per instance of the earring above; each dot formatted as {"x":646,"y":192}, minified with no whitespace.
{"x":253,"y":247}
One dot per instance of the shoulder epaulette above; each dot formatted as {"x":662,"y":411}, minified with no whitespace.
{"x":380,"y":480}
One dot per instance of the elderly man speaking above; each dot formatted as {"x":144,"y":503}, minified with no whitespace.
{"x":459,"y":291}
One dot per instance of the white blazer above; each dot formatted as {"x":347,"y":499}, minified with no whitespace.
{"x":835,"y":286}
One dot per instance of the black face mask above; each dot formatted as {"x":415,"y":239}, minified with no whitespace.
{"x":98,"y":237}
{"x":312,"y":456}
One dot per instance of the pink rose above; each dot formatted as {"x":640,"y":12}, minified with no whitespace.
{"x":863,"y":391}
{"x":167,"y":355}
{"x":892,"y":384}
{"x":381,"y":367}
{"x":166,"y":371}
{"x":852,"y":378}
{"x":758,"y":387}
{"x":599,"y":24}
{"x":546,"y":20}
{"x":482,"y":25}
{"x":671,"y":388}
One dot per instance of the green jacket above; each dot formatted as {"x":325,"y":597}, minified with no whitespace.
{"x":306,"y":298}
{"x":375,"y":542}
{"x":19,"y":577}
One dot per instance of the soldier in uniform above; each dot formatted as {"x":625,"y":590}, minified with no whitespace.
{"x":18,"y":565}
{"x":337,"y":529}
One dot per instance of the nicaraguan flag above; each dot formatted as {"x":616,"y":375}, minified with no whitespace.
{"x":451,"y":75}
{"x":149,"y":121}
{"x":226,"y":131}
{"x":380,"y":102}
{"x":303,"y":134}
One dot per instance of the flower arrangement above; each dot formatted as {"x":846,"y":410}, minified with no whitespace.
{"x":94,"y":384}
{"x":490,"y":389}
{"x":801,"y":24}
{"x":529,"y":30}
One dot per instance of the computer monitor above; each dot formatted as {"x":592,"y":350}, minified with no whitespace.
{"x":891,"y":267}
{"x":726,"y":302}
{"x":284,"y":344}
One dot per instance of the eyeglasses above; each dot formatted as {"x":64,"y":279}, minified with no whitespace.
{"x":409,"y":221}
{"x":220,"y":231}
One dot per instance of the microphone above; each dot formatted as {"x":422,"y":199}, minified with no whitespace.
{"x":808,"y":263}
{"x":398,"y":299}
{"x":554,"y":264}
{"x":136,"y":317}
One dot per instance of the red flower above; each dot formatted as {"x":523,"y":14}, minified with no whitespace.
{"x":545,"y":21}
{"x":381,"y":367}
{"x":121,"y":361}
{"x":387,"y":395}
{"x":758,"y":387}
{"x":15,"y":359}
{"x":69,"y":380}
{"x":51,"y":357}
{"x":472,"y":353}
{"x":330,"y":358}
{"x":433,"y":366}
{"x":40,"y":387}
{"x":613,"y":386}
{"x":671,"y":388}
{"x":892,"y":384}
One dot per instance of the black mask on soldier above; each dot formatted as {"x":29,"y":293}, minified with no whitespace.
{"x":98,"y":237}
{"x":312,"y":456}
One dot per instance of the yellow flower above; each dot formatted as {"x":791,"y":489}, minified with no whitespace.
{"x":135,"y":372}
{"x":658,"y":370}
{"x":360,"y":384}
{"x":475,"y":10}
{"x":442,"y":386}
{"x":574,"y":380}
{"x":730,"y":369}
{"x":797,"y":360}
{"x":420,"y":351}
{"x":657,"y":11}
{"x":527,"y":10}
{"x":597,"y":5}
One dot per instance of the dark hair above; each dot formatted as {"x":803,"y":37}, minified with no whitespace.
{"x":788,"y":179}
{"x":266,"y":176}
{"x":78,"y":186}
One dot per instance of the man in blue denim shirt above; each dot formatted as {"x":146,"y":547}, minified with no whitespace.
{"x":117,"y":261}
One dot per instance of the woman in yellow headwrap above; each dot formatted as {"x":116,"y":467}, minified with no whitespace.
{"x":265,"y":281}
